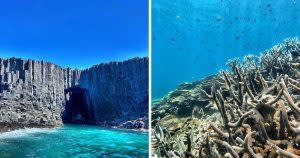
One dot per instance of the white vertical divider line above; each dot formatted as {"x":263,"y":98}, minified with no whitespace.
{"x":150,"y":71}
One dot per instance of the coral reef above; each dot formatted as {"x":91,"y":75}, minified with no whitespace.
{"x":257,"y":103}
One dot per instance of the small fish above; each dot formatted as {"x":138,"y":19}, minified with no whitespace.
{"x":197,"y":19}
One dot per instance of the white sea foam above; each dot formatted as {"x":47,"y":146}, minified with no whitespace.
{"x":25,"y":132}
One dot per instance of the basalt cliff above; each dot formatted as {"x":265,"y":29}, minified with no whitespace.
{"x":42,"y":94}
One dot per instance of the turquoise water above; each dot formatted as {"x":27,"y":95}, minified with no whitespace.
{"x":73,"y":141}
{"x":195,"y":38}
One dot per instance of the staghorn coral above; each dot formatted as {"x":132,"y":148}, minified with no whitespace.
{"x":258,"y":114}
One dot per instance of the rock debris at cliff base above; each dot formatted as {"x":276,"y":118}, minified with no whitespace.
{"x":32,"y":93}
{"x":250,"y":110}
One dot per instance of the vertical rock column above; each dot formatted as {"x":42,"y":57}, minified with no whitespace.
{"x":117,"y":91}
{"x":36,"y":87}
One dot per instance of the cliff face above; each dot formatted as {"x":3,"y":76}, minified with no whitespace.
{"x":32,"y":93}
{"x":117,"y":91}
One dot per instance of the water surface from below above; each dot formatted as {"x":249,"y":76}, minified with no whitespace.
{"x":73,"y":141}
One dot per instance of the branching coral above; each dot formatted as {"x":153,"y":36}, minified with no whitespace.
{"x":259,"y":104}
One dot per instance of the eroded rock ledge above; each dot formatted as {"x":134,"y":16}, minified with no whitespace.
{"x":34,"y":93}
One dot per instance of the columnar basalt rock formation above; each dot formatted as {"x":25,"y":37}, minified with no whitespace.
{"x":32,"y":93}
{"x":117,"y":91}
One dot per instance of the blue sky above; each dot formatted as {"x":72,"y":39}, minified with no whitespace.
{"x":74,"y":33}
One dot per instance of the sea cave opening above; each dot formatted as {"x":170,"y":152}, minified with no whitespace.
{"x":77,"y":109}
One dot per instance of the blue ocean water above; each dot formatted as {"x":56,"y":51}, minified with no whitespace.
{"x":73,"y":141}
{"x":195,"y":38}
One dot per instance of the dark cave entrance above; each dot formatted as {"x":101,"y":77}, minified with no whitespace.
{"x":77,"y":109}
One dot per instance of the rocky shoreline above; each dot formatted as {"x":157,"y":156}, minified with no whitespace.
{"x":10,"y":128}
{"x":140,"y":124}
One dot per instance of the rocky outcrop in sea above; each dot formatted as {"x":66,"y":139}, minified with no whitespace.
{"x":43,"y":94}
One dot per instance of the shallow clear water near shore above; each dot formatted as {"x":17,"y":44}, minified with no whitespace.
{"x":76,"y":141}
